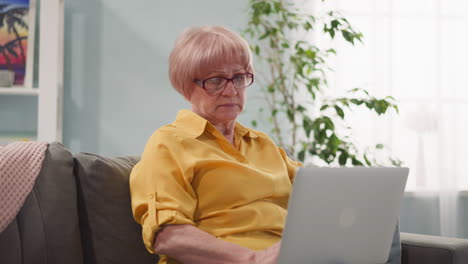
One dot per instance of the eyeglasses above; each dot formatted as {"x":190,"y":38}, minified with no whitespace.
{"x":216,"y":85}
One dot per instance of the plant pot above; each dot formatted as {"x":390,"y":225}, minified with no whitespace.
{"x":7,"y":78}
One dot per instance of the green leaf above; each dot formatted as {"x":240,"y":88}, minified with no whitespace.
{"x":315,"y":82}
{"x":328,"y":123}
{"x":344,"y":101}
{"x":359,"y":36}
{"x":379,"y":146}
{"x":335,"y":23}
{"x":313,"y":94}
{"x":254,"y":123}
{"x":300,"y":108}
{"x":278,"y":6}
{"x":364,"y":91}
{"x":301,"y":155}
{"x":356,"y":101}
{"x":266,"y":34}
{"x":343,"y":158}
{"x":290,"y":115}
{"x":310,"y":54}
{"x":272,"y":43}
{"x":356,"y":162}
{"x":257,"y":50}
{"x":348,"y":36}
{"x":334,"y":142}
{"x":324,"y":107}
{"x":307,"y":125}
{"x":339,"y":111}
{"x":320,"y":135}
{"x":367,"y":160}
{"x":274,"y":112}
{"x":285,"y":45}
{"x":271,"y":88}
{"x":267,"y":8}
{"x":380,"y":106}
{"x":396,"y":162}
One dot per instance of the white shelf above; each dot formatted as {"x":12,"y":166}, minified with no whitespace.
{"x":50,"y":103}
{"x":19,"y":91}
{"x":6,"y":137}
{"x":50,"y":74}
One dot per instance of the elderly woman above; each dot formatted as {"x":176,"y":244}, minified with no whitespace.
{"x":207,"y":189}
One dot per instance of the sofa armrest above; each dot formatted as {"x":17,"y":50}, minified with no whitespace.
{"x":433,"y":249}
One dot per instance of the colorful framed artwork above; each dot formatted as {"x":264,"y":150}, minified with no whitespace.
{"x":17,"y":26}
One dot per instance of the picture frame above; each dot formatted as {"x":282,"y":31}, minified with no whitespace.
{"x":17,"y":39}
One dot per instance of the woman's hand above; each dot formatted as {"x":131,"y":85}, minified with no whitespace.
{"x":269,"y":255}
{"x":188,"y":244}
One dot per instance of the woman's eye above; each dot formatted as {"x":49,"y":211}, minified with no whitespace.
{"x":215,"y":80}
{"x":239,"y":78}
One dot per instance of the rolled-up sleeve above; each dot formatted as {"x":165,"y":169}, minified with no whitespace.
{"x":160,"y":188}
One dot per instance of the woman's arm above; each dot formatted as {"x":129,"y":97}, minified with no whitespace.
{"x":189,"y":244}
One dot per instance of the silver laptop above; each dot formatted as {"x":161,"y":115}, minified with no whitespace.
{"x":342,"y":215}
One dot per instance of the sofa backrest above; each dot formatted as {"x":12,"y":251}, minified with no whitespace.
{"x":46,"y":230}
{"x":109,"y":233}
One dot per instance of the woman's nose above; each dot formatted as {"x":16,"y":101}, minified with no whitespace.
{"x":229,"y":90}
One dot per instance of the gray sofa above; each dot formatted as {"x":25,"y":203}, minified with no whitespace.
{"x":79,"y":212}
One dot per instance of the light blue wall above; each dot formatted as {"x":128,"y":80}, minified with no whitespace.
{"x":18,"y":113}
{"x":117,"y":90}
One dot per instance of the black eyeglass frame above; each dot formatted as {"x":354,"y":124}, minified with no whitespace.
{"x":201,"y":83}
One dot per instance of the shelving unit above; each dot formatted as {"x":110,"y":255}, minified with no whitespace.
{"x":50,"y":90}
{"x":19,"y":91}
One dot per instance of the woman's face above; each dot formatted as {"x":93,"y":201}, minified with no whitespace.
{"x":223,"y":107}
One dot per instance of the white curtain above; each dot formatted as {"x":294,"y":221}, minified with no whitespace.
{"x":441,"y":176}
{"x":450,"y":170}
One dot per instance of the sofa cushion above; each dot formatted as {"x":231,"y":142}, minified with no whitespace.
{"x":109,"y":233}
{"x":46,"y":230}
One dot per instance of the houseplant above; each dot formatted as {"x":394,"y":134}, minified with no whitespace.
{"x":306,"y":122}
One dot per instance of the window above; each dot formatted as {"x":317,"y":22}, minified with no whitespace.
{"x":416,"y":51}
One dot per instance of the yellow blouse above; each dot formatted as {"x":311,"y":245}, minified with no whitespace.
{"x":190,"y":174}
